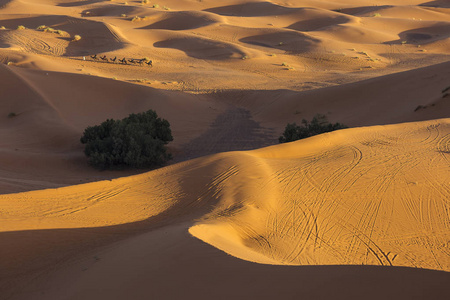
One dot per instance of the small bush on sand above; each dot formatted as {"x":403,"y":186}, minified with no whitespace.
{"x":145,"y":1}
{"x":20,"y":27}
{"x":318,"y":125}
{"x":2,"y":27}
{"x":137,"y":141}
{"x":76,"y":38}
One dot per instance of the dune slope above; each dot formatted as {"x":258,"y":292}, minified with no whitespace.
{"x":383,"y":200}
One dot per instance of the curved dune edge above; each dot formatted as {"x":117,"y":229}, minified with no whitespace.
{"x":224,"y":237}
{"x":375,"y":195}
{"x":362,"y":196}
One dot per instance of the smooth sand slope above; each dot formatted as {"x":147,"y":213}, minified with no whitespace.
{"x":364,"y":196}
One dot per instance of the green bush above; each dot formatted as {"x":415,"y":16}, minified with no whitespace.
{"x":137,"y":141}
{"x":318,"y":125}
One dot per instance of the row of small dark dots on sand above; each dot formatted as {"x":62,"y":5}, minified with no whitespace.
{"x":123,"y":61}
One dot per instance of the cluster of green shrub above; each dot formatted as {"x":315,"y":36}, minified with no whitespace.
{"x":319,"y":124}
{"x":137,"y":141}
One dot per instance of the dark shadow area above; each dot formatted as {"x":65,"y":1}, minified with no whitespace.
{"x":78,"y":3}
{"x":437,"y":3}
{"x":53,"y":247}
{"x":423,"y":36}
{"x":214,"y":274}
{"x":252,"y":9}
{"x":108,"y":10}
{"x":356,"y":11}
{"x":201,"y":48}
{"x":181,"y":21}
{"x":318,"y":23}
{"x":234,"y":130}
{"x":96,"y":37}
{"x":291,"y":41}
{"x":3,"y":3}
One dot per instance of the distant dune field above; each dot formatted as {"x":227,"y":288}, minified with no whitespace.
{"x":364,"y":196}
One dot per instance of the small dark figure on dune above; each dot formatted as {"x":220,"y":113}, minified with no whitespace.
{"x":124,"y":60}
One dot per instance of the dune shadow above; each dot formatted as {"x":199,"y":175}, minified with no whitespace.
{"x":233,"y":130}
{"x":424,"y":35}
{"x":78,"y":3}
{"x":318,"y":23}
{"x":52,"y":246}
{"x":95,"y":36}
{"x":181,"y":21}
{"x":221,"y":275}
{"x":4,"y":2}
{"x":356,"y":11}
{"x":201,"y":48}
{"x":436,"y":3}
{"x":252,"y":9}
{"x":108,"y":10}
{"x":291,"y":41}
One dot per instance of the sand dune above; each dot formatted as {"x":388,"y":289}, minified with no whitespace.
{"x":196,"y":47}
{"x":325,"y":36}
{"x":358,"y":213}
{"x":53,"y":109}
{"x":50,"y":121}
{"x":381,"y":202}
{"x":407,"y":96}
{"x":184,"y":21}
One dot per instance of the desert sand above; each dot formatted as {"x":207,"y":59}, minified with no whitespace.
{"x":362,"y":212}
